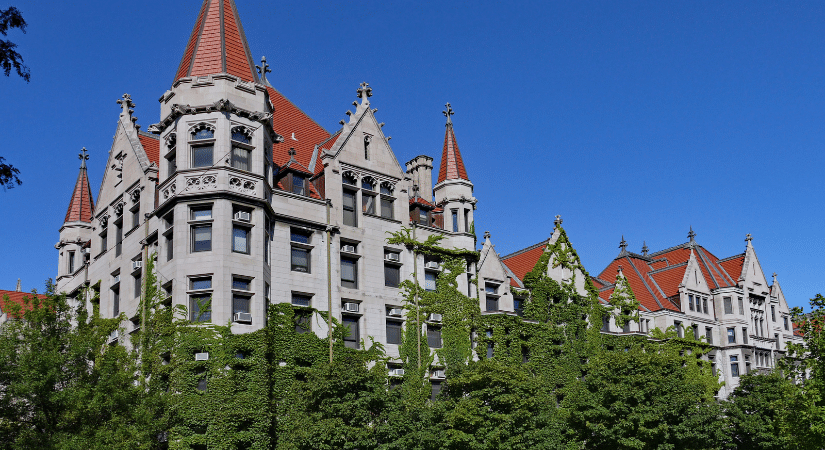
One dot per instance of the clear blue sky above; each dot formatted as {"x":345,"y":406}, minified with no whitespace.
{"x":627,"y":118}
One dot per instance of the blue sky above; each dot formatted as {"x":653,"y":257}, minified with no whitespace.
{"x":627,"y":118}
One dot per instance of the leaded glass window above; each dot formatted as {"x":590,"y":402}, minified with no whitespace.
{"x":202,"y":156}
{"x":203,"y":133}
{"x":240,"y":239}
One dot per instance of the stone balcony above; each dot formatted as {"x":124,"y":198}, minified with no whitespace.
{"x":219,"y":179}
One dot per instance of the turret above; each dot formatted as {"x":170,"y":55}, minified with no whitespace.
{"x":454,"y":191}
{"x":77,"y":227}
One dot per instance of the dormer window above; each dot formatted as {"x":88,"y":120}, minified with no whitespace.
{"x":298,"y":184}
{"x":387,"y":201}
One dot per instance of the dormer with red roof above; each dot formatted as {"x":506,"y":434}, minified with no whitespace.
{"x":77,"y":226}
{"x":454,"y":192}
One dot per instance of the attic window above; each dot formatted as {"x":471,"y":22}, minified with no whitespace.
{"x":367,"y":140}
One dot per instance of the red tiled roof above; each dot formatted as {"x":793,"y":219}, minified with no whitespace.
{"x":81,"y":204}
{"x":670,"y":279}
{"x":643,"y":288}
{"x":420,"y":201}
{"x":288,"y":120}
{"x":523,"y":261}
{"x":733,"y":266}
{"x":452,"y":166}
{"x":217,"y":44}
{"x":151,"y":144}
{"x":15,"y":297}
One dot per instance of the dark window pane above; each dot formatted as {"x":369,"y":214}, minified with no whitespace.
{"x":170,"y":248}
{"x":518,"y":306}
{"x":436,"y":390}
{"x":202,"y":156}
{"x":298,"y":184}
{"x":728,"y":305}
{"x":429,"y":281}
{"x":239,"y":136}
{"x":349,"y":209}
{"x":300,"y":260}
{"x":352,"y":338}
{"x":492,"y":304}
{"x":302,"y":324}
{"x":433,"y":336}
{"x":455,"y":221}
{"x":367,"y":184}
{"x":368,"y":203}
{"x":240,"y":158}
{"x":137,"y":285}
{"x":202,"y":384}
{"x":201,"y":307}
{"x":203,"y":133}
{"x":301,"y":300}
{"x":240,"y":283}
{"x":386,"y":190}
{"x":349,"y":273}
{"x":201,"y":283}
{"x":392,"y":275}
{"x":202,"y":238}
{"x":393,"y":332}
{"x":201,"y":213}
{"x":240,"y":303}
{"x":386,"y":208}
{"x":115,"y":302}
{"x":240,"y":240}
{"x":297,"y":236}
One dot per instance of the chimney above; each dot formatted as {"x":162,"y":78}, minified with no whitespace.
{"x":420,"y":170}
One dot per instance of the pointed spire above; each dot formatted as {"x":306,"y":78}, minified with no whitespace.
{"x":217,"y":44}
{"x":81,"y":205}
{"x":623,"y":246}
{"x":364,"y":92}
{"x":264,"y":69}
{"x":452,"y":166}
{"x":691,"y":234}
{"x":748,"y":238}
{"x":558,"y":220}
{"x":645,"y":250}
{"x":19,"y":286}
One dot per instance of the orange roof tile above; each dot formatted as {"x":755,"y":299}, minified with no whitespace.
{"x":81,"y":205}
{"x":298,"y":129}
{"x":217,"y":44}
{"x":669,"y":279}
{"x":733,"y":266}
{"x":523,"y":261}
{"x":452,"y":166}
{"x":15,"y":297}
{"x":151,"y":145}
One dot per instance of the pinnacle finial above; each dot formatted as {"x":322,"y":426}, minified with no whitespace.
{"x":20,"y":287}
{"x":291,"y":152}
{"x":748,"y":237}
{"x":774,"y":277}
{"x":83,"y":158}
{"x":619,"y":269}
{"x":644,"y":248}
{"x":364,"y":92}
{"x":263,"y":69}
{"x":558,"y":220}
{"x":448,"y":112}
{"x":126,"y":104}
{"x":623,"y":245}
{"x":691,"y":234}
{"x":487,"y":235}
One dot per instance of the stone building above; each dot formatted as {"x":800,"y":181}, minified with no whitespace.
{"x":246,"y":200}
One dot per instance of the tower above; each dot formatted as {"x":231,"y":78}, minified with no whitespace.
{"x":77,"y":227}
{"x":454,"y":192}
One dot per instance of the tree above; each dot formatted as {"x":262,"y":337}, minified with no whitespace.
{"x":754,"y":410}
{"x":9,"y":58}
{"x":8,"y":175}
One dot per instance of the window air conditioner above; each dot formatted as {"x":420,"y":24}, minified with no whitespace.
{"x":437,"y":373}
{"x":397,"y":372}
{"x":351,"y":307}
{"x":397,"y":312}
{"x":434,"y":317}
{"x":243,"y":216}
{"x":202,"y":356}
{"x":392,"y":257}
{"x":137,"y":265}
{"x":432,"y":265}
{"x":116,"y":279}
{"x":242,"y":318}
{"x":348,"y":248}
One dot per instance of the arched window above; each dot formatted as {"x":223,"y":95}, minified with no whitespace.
{"x":350,"y":178}
{"x":368,"y":183}
{"x":203,"y":131}
{"x":242,"y":135}
{"x":386,"y":188}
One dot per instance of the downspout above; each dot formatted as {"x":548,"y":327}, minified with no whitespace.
{"x":329,"y":281}
{"x":143,"y":289}
{"x":417,"y":310}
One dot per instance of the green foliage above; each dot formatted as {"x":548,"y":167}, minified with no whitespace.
{"x":623,"y":301}
{"x":9,"y":58}
{"x":755,"y":412}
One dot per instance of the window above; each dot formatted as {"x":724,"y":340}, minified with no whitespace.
{"x":349,"y":272}
{"x":299,"y":236}
{"x":201,"y":213}
{"x":745,"y":335}
{"x":690,"y":302}
{"x":170,"y":247}
{"x":433,"y":336}
{"x":115,"y":302}
{"x":202,"y":156}
{"x":386,"y":189}
{"x":393,"y":332}
{"x":135,"y":217}
{"x":238,"y":135}
{"x":240,"y":239}
{"x":734,"y":366}
{"x":103,"y":241}
{"x":709,"y":335}
{"x":240,"y":303}
{"x":731,"y":335}
{"x":605,"y":322}
{"x":171,"y":165}
{"x":301,"y":299}
{"x":201,"y":307}
{"x":349,"y":179}
{"x":368,"y":203}
{"x":696,"y":332}
{"x":490,"y":345}
{"x":203,"y":131}
{"x":348,"y":206}
{"x":298,"y":184}
{"x":202,"y":238}
{"x":466,"y":220}
{"x":429,"y":281}
{"x":492,"y":303}
{"x":300,"y":260}
{"x":518,"y":306}
{"x":137,"y":279}
{"x":773,"y":313}
{"x":302,"y":323}
{"x":367,"y":140}
{"x":785,"y":319}
{"x":776,"y":338}
{"x":267,"y":293}
{"x":241,"y":284}
{"x":352,"y":338}
{"x":267,"y":239}
{"x":455,"y":220}
{"x":741,"y":307}
{"x":118,"y":238}
{"x":422,"y":217}
{"x":387,"y":208}
{"x":705,"y":305}
{"x":392,"y":275}
{"x":679,"y":329}
{"x":368,"y":184}
{"x":436,"y":390}
{"x":71,"y":262}
{"x":491,"y":295}
{"x":728,"y":305}
{"x":240,"y":158}
{"x":626,"y":327}
{"x":198,"y":284}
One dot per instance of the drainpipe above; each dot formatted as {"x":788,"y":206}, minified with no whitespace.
{"x":329,"y":281}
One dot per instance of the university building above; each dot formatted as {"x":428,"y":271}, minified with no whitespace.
{"x":247,"y":201}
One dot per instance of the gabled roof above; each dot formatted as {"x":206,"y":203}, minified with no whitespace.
{"x":217,"y":44}
{"x":420,"y":201}
{"x":452,"y":166}
{"x":299,"y":131}
{"x":15,"y":297}
{"x":81,"y":204}
{"x":523,"y":261}
{"x":151,"y":145}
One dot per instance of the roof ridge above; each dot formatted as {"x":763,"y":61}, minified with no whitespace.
{"x":149,"y":135}
{"x":532,"y":247}
{"x":731,"y":257}
{"x":652,"y":272}
{"x":670,"y":249}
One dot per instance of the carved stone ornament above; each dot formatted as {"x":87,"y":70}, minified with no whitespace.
{"x":103,"y":221}
{"x":135,"y":195}
{"x":119,"y":209}
{"x":182,"y":109}
{"x":388,"y":185}
{"x":221,"y":105}
{"x":242,"y":130}
{"x":171,"y":140}
{"x":242,"y":185}
{"x":200,"y":183}
{"x":350,"y":174}
{"x":202,"y":126}
{"x":169,"y":191}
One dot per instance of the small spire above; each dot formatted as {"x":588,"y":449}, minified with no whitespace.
{"x":264,"y":69}
{"x":748,"y":237}
{"x":487,"y":235}
{"x":449,"y":112}
{"x":558,"y":220}
{"x":126,"y":104}
{"x":619,"y":270}
{"x":20,"y":287}
{"x":291,"y":154}
{"x":691,"y":234}
{"x":623,"y":246}
{"x":644,"y":248}
{"x":774,"y":278}
{"x":83,"y":158}
{"x":364,"y":92}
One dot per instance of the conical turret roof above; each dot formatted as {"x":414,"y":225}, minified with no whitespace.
{"x":217,"y":44}
{"x":452,"y":166}
{"x":81,"y":205}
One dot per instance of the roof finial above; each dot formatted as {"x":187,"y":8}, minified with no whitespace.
{"x":748,"y":237}
{"x":20,"y":287}
{"x":364,"y":92}
{"x":644,"y":248}
{"x":126,"y":104}
{"x":623,"y":246}
{"x":487,"y":235}
{"x":263,"y":69}
{"x":619,"y":270}
{"x":774,"y":278}
{"x":291,"y":153}
{"x":558,"y":220}
{"x":449,"y":112}
{"x":691,"y":234}
{"x":83,"y":158}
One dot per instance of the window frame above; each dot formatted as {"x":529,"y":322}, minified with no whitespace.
{"x":247,"y":239}
{"x":351,"y":341}
{"x":351,"y":284}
